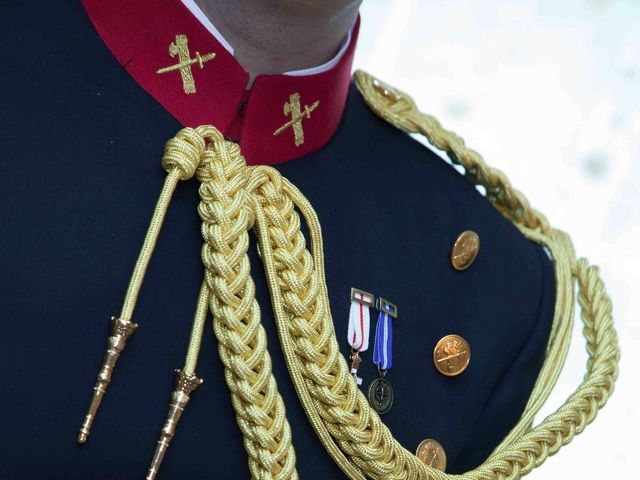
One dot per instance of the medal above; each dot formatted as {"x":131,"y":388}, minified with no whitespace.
{"x":380,"y":391}
{"x":358,"y":332}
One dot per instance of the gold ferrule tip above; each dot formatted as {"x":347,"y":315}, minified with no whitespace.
{"x":185,"y":385}
{"x":86,"y":425}
{"x":157,"y":460}
{"x":121,"y":330}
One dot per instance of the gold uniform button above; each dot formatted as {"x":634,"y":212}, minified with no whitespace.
{"x":451,"y":355}
{"x":465,"y":250}
{"x":431,"y":453}
{"x":386,"y":91}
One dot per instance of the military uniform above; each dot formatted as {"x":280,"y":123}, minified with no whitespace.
{"x":91,"y":94}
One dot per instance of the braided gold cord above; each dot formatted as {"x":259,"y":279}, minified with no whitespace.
{"x":226,"y":218}
{"x":235,"y":198}
{"x":304,"y":321}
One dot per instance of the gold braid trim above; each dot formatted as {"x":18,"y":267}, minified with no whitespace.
{"x":234,"y":197}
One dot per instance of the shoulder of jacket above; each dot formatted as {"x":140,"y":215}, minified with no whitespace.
{"x":386,"y":101}
{"x":400,"y":110}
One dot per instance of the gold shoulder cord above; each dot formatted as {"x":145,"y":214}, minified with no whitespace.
{"x":236,"y":198}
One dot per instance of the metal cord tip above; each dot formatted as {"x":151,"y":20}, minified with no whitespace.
{"x":185,"y":385}
{"x":152,"y":474}
{"x":121,"y":330}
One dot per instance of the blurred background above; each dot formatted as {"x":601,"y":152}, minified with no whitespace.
{"x":548,"y":92}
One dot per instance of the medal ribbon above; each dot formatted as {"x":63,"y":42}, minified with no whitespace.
{"x":382,"y":344}
{"x":359,"y":323}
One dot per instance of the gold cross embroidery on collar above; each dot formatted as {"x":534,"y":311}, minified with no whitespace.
{"x":181,"y":48}
{"x":292,"y":107}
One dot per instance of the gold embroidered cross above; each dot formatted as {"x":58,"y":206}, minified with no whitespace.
{"x":181,"y":48}
{"x":292,"y":107}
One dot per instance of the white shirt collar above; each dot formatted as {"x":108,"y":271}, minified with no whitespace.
{"x":204,"y":20}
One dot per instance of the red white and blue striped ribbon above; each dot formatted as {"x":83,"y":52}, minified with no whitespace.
{"x":382,"y":351}
{"x":358,"y":333}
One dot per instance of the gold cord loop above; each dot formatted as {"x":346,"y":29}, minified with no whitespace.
{"x":233,"y":196}
{"x":236,"y":198}
{"x":183,"y":152}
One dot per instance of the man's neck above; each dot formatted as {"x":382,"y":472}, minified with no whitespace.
{"x":274,"y":36}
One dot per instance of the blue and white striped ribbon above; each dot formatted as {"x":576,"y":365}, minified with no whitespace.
{"x":382,"y":352}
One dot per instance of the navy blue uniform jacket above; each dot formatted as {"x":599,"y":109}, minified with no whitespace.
{"x":80,"y":150}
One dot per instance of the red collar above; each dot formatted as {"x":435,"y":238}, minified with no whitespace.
{"x":280,"y":118}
